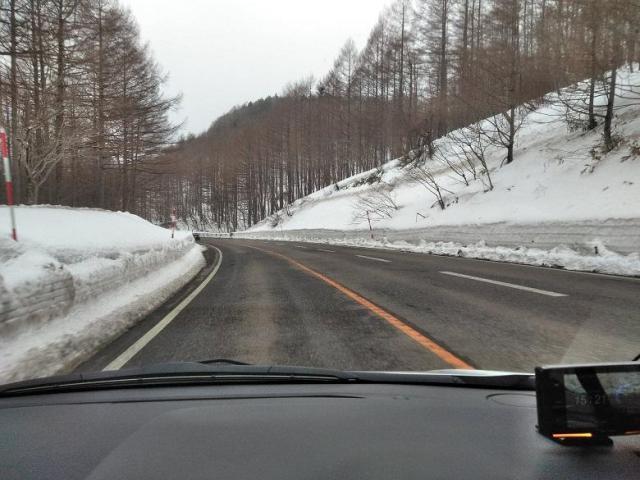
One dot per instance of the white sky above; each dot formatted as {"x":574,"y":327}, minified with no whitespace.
{"x":221,"y":53}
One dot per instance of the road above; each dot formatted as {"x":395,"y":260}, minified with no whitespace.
{"x":354,"y":308}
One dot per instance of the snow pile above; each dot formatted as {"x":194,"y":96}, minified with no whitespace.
{"x":76,"y":279}
{"x":605,"y":261}
{"x":561,"y":193}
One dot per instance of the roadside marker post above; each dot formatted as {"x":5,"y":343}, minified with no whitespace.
{"x":8,"y":181}
{"x":174,"y":222}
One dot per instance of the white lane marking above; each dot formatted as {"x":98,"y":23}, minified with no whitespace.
{"x":325,"y":250}
{"x":300,"y":246}
{"x":374,"y":258}
{"x":505,"y":284}
{"x":130,"y":352}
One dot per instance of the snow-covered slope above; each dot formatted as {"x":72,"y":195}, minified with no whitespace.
{"x":78,"y":277}
{"x":558,"y":193}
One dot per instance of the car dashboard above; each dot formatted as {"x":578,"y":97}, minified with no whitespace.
{"x":293,"y":431}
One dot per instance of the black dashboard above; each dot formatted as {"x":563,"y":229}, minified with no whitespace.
{"x":295,"y":431}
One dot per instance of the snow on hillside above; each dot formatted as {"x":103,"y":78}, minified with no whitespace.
{"x":558,"y":180}
{"x":78,"y":277}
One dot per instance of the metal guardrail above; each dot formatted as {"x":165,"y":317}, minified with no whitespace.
{"x":213,"y":234}
{"x":618,"y":235}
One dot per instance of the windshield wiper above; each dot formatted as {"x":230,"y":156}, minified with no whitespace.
{"x":171,"y":374}
{"x":208,"y":373}
{"x":454,"y":378}
{"x":223,"y":360}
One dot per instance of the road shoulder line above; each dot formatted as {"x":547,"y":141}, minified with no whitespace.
{"x":133,"y":349}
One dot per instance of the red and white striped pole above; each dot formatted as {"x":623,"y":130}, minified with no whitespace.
{"x":7,"y":180}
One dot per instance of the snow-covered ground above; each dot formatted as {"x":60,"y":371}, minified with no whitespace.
{"x":78,"y":277}
{"x":561,"y":198}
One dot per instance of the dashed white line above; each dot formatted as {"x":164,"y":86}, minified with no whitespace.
{"x":300,"y":246}
{"x":325,"y":250}
{"x":374,"y":258}
{"x":505,"y":284}
{"x":130,"y":352}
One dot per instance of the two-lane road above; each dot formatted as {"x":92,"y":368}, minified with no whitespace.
{"x":350,"y":308}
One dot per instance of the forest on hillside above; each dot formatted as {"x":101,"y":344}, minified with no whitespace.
{"x":81,"y":101}
{"x":90,"y":128}
{"x":428,"y":68}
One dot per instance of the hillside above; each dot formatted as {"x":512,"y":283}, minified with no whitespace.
{"x":561,"y":195}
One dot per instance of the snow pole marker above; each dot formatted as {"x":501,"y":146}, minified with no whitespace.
{"x":174,"y":222}
{"x":8,"y":181}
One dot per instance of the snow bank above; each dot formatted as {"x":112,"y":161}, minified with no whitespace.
{"x":561,"y":192}
{"x":548,"y":254}
{"x":79,"y":277}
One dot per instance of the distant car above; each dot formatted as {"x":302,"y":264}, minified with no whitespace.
{"x":196,"y":236}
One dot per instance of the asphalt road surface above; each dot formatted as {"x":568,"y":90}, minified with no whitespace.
{"x":352,"y":308}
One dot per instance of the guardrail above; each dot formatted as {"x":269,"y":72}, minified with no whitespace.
{"x":213,"y":234}
{"x":618,"y":235}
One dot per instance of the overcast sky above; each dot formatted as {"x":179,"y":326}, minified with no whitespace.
{"x":221,"y":53}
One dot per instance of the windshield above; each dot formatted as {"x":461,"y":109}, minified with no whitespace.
{"x":372,"y":185}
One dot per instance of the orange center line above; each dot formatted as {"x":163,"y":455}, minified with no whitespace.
{"x":411,"y":332}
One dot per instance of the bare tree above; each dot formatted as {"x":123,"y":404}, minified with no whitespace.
{"x":375,"y":204}
{"x":424,"y":171}
{"x":40,"y":163}
{"x":472,"y":143}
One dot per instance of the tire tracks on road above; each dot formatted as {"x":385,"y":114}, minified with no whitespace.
{"x":422,"y":339}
